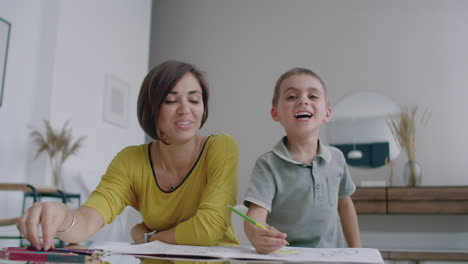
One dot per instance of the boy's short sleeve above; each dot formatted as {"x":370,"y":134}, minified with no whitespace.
{"x":262,"y":186}
{"x":347,"y":186}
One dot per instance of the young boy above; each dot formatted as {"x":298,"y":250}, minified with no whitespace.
{"x":302,"y":188}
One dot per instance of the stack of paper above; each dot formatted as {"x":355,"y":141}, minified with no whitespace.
{"x":290,"y":254}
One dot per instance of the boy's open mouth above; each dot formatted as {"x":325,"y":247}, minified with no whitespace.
{"x":303,"y":115}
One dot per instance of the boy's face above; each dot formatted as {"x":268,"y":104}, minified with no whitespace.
{"x":302,"y":106}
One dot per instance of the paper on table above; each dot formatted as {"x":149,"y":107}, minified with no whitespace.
{"x":290,"y":254}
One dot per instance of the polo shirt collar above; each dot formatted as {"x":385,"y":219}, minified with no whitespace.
{"x":282,"y":151}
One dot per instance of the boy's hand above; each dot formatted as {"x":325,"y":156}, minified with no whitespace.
{"x":266,"y":240}
{"x":263,"y":240}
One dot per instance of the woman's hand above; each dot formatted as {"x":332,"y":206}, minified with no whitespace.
{"x":138,"y":233}
{"x":55,"y":219}
{"x":50,"y":216}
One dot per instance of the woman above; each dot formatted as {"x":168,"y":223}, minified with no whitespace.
{"x":180,"y":182}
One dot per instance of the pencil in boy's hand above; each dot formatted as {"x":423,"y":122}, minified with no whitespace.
{"x":245,"y":217}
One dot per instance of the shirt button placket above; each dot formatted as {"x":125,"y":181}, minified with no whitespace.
{"x":318,"y":181}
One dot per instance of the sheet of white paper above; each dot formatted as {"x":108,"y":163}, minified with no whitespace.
{"x":291,"y":254}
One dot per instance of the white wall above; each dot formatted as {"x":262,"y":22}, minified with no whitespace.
{"x":20,"y":81}
{"x":59,"y":54}
{"x":92,"y":40}
{"x":412,"y":51}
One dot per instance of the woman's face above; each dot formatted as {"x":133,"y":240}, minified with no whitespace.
{"x":181,"y":112}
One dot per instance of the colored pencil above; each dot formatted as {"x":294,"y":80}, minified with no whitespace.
{"x":245,"y":217}
{"x":25,"y":255}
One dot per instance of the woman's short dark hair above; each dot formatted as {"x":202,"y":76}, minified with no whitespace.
{"x":157,"y":85}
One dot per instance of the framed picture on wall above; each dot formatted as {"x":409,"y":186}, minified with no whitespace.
{"x":4,"y":40}
{"x":116,"y":93}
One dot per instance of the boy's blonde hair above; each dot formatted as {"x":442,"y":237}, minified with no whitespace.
{"x":296,"y":71}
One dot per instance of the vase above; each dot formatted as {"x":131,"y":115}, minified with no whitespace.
{"x":412,"y":174}
{"x":57,"y":176}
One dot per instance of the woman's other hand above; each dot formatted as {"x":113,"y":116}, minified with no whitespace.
{"x":138,"y":233}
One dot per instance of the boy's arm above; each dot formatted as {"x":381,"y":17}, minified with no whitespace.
{"x":263,"y":240}
{"x":349,"y":222}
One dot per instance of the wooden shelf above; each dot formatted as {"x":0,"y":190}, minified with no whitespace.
{"x":411,"y":200}
{"x":422,"y":256}
{"x":370,"y":200}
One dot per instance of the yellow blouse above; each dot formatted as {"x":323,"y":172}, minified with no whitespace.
{"x":197,"y":207}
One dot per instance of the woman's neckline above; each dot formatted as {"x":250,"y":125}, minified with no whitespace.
{"x":186,"y":176}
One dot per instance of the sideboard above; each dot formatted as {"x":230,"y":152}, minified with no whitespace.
{"x":407,"y":256}
{"x":411,"y":200}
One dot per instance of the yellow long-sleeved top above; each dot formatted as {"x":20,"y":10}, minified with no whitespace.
{"x":197,"y":207}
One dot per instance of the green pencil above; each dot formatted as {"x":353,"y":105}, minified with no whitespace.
{"x":245,"y":217}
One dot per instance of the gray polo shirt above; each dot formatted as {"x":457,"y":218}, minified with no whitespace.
{"x":302,"y":200}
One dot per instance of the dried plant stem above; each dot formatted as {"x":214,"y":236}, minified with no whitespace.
{"x":58,"y":145}
{"x":391,"y":163}
{"x":403,"y":127}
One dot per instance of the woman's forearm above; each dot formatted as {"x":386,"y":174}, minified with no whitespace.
{"x":80,"y":225}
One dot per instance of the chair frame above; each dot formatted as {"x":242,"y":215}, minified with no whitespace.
{"x":22,"y":187}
